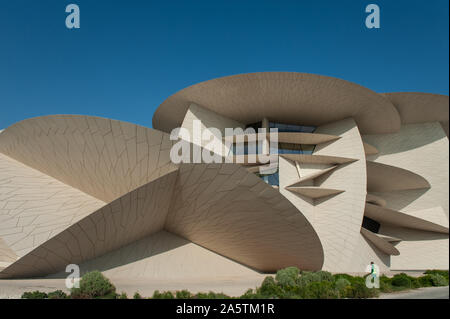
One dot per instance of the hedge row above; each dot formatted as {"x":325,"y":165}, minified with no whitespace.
{"x":288,"y":283}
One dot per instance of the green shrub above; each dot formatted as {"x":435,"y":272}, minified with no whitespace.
{"x":94,"y":285}
{"x":201,"y":295}
{"x":287,"y":277}
{"x":352,"y":279}
{"x":251,"y":294}
{"x":183,"y":294}
{"x":325,"y":276}
{"x":123,"y":295}
{"x":432,"y":280}
{"x":439,"y":280}
{"x":319,"y":290}
{"x":216,"y":295}
{"x":210,"y":295}
{"x":269,"y":288}
{"x":58,"y":294}
{"x":401,"y":280}
{"x":415,"y":283}
{"x":162,"y":295}
{"x":426,"y":281}
{"x":34,"y":295}
{"x":443,"y":273}
{"x":344,"y":276}
{"x":307,"y":278}
{"x":341,"y":285}
{"x":137,"y":295}
{"x":385,"y":284}
{"x":360,"y":290}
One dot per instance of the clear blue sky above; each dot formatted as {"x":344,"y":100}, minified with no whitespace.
{"x":130,"y":55}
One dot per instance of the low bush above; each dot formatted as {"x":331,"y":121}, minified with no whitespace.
{"x":341,"y":285}
{"x":94,"y":285}
{"x":162,"y":295}
{"x":415,"y":283}
{"x":210,"y":295}
{"x":137,"y":296}
{"x":319,"y":290}
{"x":269,"y":288}
{"x":426,"y":281}
{"x":443,"y":273}
{"x":183,"y":294}
{"x":287,"y":277}
{"x":307,"y":278}
{"x":251,"y":294}
{"x":385,"y":284}
{"x":34,"y":295}
{"x":360,"y":290}
{"x":344,"y":276}
{"x":438,"y":280}
{"x":401,"y":280}
{"x":58,"y":294}
{"x":325,"y":276}
{"x":123,"y":295}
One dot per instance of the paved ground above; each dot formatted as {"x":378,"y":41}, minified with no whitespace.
{"x":421,"y":293}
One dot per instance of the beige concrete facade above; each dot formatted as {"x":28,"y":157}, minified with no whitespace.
{"x":369,"y":183}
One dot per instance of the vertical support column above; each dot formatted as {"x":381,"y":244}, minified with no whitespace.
{"x":265,"y":149}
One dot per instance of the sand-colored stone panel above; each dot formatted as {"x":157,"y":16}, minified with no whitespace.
{"x":380,"y":242}
{"x":285,"y":97}
{"x":392,"y":217}
{"x":387,"y":178}
{"x":230,"y":211}
{"x":101,"y":157}
{"x":416,"y":107}
{"x":129,"y":218}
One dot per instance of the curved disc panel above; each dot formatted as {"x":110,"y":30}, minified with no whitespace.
{"x":228,"y":210}
{"x":285,"y":97}
{"x":417,"y":107}
{"x":101,"y":157}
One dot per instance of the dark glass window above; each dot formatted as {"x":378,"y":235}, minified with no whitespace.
{"x":271,"y":179}
{"x":291,"y":128}
{"x":289,"y":148}
{"x":370,"y":224}
{"x":247,"y":148}
{"x":255,"y":126}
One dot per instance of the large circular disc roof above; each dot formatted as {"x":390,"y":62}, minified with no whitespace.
{"x":286,"y":97}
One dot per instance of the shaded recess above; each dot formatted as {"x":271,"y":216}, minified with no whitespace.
{"x":314,"y":192}
{"x":392,"y":217}
{"x":313,"y":176}
{"x":318,"y":159}
{"x":369,"y":149}
{"x":286,"y":137}
{"x":375,"y":200}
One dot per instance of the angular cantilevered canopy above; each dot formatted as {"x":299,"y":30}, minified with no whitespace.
{"x":381,"y":243}
{"x":396,"y":218}
{"x":386,"y":178}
